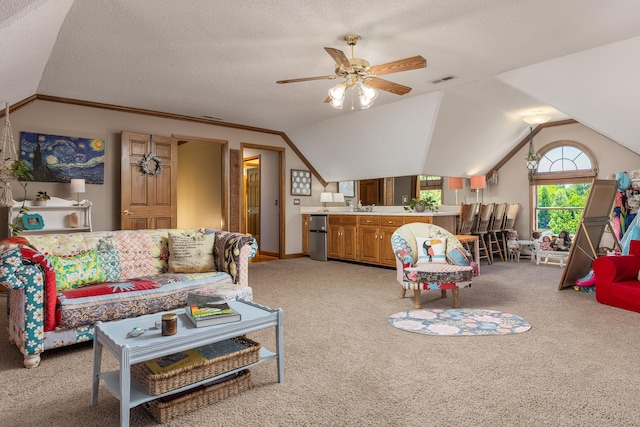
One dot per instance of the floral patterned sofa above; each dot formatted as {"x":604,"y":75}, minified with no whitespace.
{"x":60,"y":285}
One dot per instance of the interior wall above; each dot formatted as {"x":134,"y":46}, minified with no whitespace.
{"x":88,"y":122}
{"x":513,"y":185}
{"x":199,"y":185}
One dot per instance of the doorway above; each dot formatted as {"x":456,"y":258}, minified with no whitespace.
{"x":201,"y":195}
{"x":251,"y":169}
{"x":262,"y":195}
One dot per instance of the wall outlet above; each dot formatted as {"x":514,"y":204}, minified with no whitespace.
{"x":296,"y":202}
{"x":405,"y":199}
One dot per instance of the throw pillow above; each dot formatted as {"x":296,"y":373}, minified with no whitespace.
{"x":134,"y":251}
{"x":431,"y":250}
{"x":77,"y":270}
{"x":459,"y":256}
{"x":191,"y":252}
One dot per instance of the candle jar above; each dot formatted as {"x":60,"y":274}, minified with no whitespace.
{"x":169,"y":324}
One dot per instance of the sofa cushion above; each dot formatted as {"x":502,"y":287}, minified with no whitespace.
{"x":77,"y":270}
{"x":106,"y":245}
{"x":431,"y":250}
{"x":191,"y":252}
{"x":59,"y":244}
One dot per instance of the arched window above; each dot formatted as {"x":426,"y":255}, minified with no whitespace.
{"x":565,"y":161}
{"x":561,"y":184}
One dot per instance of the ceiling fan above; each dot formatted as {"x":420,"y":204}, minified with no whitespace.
{"x":358,"y":74}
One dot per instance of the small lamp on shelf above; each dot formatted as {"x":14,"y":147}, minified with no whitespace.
{"x":77,"y":186}
{"x":326,"y":198}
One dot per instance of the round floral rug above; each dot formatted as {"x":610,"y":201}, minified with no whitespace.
{"x":459,"y":321}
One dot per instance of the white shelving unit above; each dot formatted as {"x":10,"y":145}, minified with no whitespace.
{"x":56,"y":216}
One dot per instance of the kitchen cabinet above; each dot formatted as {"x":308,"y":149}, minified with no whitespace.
{"x":375,"y":239}
{"x":342,"y":238}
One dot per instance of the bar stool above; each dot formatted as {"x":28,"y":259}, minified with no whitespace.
{"x":495,"y":228}
{"x":481,"y":230}
{"x":466,"y":221}
{"x":509,"y":223}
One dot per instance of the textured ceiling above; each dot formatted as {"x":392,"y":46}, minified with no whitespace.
{"x":222,"y":59}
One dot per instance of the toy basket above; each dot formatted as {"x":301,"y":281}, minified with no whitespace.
{"x":222,"y":357}
{"x":168,"y":407}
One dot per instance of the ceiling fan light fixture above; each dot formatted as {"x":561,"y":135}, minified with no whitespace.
{"x":537,"y":119}
{"x":367,"y":95}
{"x":337,"y":92}
{"x":337,"y":103}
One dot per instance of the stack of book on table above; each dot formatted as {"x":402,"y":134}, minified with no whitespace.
{"x":211,"y":314}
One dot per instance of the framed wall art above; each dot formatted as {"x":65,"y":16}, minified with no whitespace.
{"x":54,"y":158}
{"x":300,"y":182}
{"x":347,"y":188}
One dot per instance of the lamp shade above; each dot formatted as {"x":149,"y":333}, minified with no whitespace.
{"x":326,"y":197}
{"x":77,"y":186}
{"x":338,"y":197}
{"x":455,"y":183}
{"x":478,"y":182}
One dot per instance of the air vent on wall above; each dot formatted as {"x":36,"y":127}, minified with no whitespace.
{"x":443,"y":79}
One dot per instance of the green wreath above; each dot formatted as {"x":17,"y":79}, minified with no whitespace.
{"x":145,"y":167}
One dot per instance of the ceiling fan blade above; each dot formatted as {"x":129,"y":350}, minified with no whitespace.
{"x":306,"y":79}
{"x":340,"y":58}
{"x":327,"y":100}
{"x":381,"y":84}
{"x":406,"y":64}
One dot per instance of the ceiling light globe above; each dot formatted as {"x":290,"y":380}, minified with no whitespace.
{"x":337,"y":92}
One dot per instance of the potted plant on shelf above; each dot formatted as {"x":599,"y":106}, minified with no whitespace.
{"x":41,"y":198}
{"x":420,"y":205}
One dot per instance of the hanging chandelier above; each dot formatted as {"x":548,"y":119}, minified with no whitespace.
{"x":533,"y":157}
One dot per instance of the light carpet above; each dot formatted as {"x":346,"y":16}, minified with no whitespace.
{"x":459,"y":322}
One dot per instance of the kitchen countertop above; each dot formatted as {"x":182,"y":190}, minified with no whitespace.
{"x":314,"y":210}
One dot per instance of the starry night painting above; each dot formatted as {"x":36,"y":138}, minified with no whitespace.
{"x":53,"y":158}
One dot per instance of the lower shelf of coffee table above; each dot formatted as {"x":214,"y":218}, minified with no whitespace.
{"x":139,"y":395}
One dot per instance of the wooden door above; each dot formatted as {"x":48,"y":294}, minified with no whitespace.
{"x":387,"y":256}
{"x":253,"y":203}
{"x":369,"y":244}
{"x":370,"y":192}
{"x":148,"y":201}
{"x":334,"y":241}
{"x":350,"y":242}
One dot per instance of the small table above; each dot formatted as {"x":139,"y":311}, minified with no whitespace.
{"x":152,"y":344}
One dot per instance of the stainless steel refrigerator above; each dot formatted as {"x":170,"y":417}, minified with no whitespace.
{"x":318,"y":237}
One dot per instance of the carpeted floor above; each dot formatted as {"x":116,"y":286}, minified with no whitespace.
{"x":346,"y":366}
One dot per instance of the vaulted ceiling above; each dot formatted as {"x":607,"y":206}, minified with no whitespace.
{"x":569,"y":59}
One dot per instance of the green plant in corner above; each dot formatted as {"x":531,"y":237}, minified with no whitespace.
{"x":24,"y":175}
{"x":429,"y":202}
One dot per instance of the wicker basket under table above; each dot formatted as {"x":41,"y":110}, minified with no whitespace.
{"x":156,"y":384}
{"x":166,"y":408}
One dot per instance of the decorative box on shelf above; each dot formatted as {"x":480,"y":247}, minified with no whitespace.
{"x":57,"y":216}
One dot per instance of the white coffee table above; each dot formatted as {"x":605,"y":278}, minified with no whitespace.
{"x":152,"y":344}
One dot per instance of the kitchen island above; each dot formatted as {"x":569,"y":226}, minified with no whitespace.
{"x":366,"y":236}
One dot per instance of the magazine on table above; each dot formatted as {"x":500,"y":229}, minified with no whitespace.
{"x":216,"y":318}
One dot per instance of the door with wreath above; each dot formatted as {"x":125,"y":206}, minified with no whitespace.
{"x":148,"y":181}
